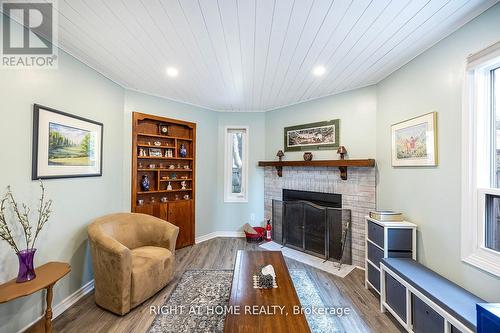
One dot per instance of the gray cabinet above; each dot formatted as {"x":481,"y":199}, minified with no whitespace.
{"x":425,"y":319}
{"x":396,"y":296}
{"x":386,"y":240}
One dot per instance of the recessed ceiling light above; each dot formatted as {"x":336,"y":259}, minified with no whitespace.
{"x":172,"y":71}
{"x":319,"y":70}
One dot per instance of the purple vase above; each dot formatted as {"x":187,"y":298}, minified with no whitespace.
{"x":26,"y":269}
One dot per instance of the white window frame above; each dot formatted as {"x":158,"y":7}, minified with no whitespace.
{"x":228,"y":163}
{"x":476,"y":157}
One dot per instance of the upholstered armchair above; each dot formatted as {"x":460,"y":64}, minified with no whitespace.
{"x":133,"y":258}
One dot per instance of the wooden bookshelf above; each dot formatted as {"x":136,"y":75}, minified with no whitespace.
{"x":173,"y":169}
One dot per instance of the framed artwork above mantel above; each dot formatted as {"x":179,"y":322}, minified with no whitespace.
{"x":65,"y":145}
{"x":323,"y":135}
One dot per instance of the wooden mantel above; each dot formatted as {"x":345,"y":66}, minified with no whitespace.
{"x":341,"y":164}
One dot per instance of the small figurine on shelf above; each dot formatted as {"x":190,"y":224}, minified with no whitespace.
{"x":169,"y":153}
{"x":179,"y":166}
{"x":342,"y":151}
{"x":157,"y":143}
{"x":145,"y":183}
{"x":140,"y":202}
{"x":186,"y":197}
{"x":169,"y":187}
{"x":183,"y":184}
{"x":142,"y":152}
{"x":186,"y":167}
{"x":171,"y":166}
{"x":183,"y":151}
{"x":141,"y":165}
{"x":280,"y":155}
{"x":173,"y":175}
{"x":164,"y":199}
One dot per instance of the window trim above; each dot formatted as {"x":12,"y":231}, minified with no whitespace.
{"x":228,"y":196}
{"x":476,"y":132}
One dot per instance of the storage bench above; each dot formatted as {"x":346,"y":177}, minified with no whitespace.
{"x":423,"y":301}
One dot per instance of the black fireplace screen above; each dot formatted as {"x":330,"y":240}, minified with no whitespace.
{"x":315,"y":229}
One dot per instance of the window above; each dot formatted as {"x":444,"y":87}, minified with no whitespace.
{"x":236,"y":165}
{"x":492,"y":240}
{"x":481,"y":162}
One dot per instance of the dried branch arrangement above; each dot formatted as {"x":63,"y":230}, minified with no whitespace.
{"x":22,"y":213}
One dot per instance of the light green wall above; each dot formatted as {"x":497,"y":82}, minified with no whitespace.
{"x":231,"y":216}
{"x":76,"y":89}
{"x":430,"y":197}
{"x":357,"y":113}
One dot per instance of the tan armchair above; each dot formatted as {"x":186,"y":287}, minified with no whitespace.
{"x":133,"y":258}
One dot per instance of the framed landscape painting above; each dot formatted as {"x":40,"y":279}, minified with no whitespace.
{"x":65,"y":145}
{"x":414,"y":141}
{"x":313,"y":136}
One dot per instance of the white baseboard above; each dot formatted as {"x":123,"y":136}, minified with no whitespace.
{"x":216,"y":234}
{"x":73,"y":298}
{"x":65,"y":303}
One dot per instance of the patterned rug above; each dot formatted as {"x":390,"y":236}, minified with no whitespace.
{"x":196,"y":305}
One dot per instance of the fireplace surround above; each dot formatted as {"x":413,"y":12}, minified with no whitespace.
{"x":358,"y":195}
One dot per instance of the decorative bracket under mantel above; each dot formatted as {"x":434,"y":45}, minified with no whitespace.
{"x":279,"y":170}
{"x":341,"y":164}
{"x":343,"y":172}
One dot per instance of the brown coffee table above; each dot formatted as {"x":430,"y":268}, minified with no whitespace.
{"x":251,"y":301}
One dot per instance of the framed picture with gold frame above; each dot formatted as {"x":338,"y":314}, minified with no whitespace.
{"x":414,"y":141}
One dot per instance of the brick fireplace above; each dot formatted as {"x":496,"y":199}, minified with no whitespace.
{"x":358,"y":194}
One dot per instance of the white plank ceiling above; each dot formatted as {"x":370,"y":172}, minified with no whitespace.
{"x":254,"y":55}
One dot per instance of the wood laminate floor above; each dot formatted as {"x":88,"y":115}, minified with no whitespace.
{"x":220,"y":253}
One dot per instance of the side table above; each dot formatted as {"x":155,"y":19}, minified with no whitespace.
{"x":46,"y":277}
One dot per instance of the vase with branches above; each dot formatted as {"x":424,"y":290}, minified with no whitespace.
{"x":21,"y":213}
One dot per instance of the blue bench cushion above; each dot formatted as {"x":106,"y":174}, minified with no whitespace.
{"x":457,"y":301}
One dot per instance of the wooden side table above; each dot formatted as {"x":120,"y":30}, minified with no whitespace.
{"x":46,"y":276}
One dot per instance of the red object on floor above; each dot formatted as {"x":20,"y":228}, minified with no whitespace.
{"x":256,"y":237}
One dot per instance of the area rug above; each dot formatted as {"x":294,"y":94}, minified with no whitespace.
{"x":327,"y":266}
{"x":193,"y":307}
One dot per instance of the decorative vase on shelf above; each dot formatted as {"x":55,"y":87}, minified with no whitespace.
{"x":169,"y":187}
{"x":26,"y":268}
{"x":183,"y":151}
{"x":145,"y":183}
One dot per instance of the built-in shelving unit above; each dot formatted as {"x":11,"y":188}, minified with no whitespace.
{"x":341,"y":164}
{"x":165,"y":197}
